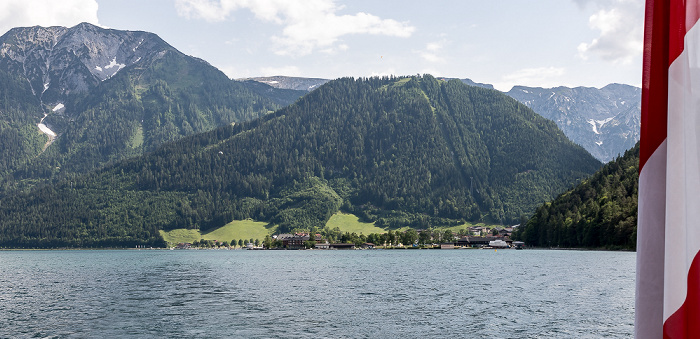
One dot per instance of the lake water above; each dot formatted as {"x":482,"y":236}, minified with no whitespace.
{"x":317,"y":294}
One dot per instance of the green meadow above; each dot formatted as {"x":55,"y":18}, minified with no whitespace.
{"x":351,"y":223}
{"x":249,"y":229}
{"x":237,"y":229}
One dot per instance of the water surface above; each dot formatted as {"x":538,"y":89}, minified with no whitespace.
{"x":317,"y":294}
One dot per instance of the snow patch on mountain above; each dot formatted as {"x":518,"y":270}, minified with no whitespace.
{"x":137,"y":46}
{"x":114,"y":63}
{"x":593,"y":124}
{"x":603,"y":122}
{"x":45,"y":129}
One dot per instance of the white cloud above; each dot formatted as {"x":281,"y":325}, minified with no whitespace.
{"x":307,"y":24}
{"x":534,"y":77}
{"x":24,"y":13}
{"x":387,"y":72}
{"x":621,"y":26}
{"x":291,"y":71}
{"x":433,"y":52}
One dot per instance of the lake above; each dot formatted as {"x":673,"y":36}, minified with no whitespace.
{"x":317,"y":294}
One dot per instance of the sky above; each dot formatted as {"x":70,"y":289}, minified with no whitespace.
{"x":538,"y":43}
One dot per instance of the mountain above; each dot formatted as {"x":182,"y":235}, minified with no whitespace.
{"x":294,"y":83}
{"x":398,"y":151}
{"x":74,"y":99}
{"x":600,"y":212}
{"x":470,"y":82}
{"x":604,"y":121}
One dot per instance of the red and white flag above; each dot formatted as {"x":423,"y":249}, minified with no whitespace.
{"x":668,"y":231}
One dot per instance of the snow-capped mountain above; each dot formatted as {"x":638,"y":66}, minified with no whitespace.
{"x":604,"y":121}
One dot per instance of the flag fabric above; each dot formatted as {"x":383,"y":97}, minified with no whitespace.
{"x":668,"y":230}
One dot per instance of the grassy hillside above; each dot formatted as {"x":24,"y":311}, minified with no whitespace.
{"x":237,"y":229}
{"x":352,"y":224}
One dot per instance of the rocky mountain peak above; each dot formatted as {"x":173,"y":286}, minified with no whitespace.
{"x":58,"y":61}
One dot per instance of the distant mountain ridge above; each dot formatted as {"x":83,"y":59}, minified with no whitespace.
{"x":470,"y":82}
{"x":604,"y":121}
{"x":285,"y":82}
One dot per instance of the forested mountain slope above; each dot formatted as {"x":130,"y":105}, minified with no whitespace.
{"x":398,"y":151}
{"x":600,"y":212}
{"x":604,"y":121}
{"x":107,"y":95}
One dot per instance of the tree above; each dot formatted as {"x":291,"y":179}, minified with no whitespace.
{"x":448,"y":236}
{"x":233,"y":243}
{"x":437,"y":235}
{"x":257,"y":242}
{"x":409,"y":237}
{"x":267,"y":242}
{"x":390,"y":238}
{"x":310,"y":243}
{"x":424,"y":237}
{"x":494,"y":232}
{"x":240,"y":242}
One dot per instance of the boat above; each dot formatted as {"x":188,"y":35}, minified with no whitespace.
{"x":498,"y":244}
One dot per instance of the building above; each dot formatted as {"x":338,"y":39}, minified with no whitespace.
{"x":322,"y":246}
{"x":295,"y":242}
{"x":475,"y":241}
{"x":344,"y":246}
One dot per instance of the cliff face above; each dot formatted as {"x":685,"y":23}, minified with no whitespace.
{"x":58,"y":61}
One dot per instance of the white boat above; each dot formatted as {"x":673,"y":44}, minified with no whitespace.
{"x":498,"y":244}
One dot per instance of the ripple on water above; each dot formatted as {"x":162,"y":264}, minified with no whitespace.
{"x":316,"y":294}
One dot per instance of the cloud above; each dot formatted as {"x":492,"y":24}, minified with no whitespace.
{"x":621,"y":26}
{"x":387,"y":72}
{"x":433,"y":52}
{"x":307,"y":24}
{"x":534,"y":77}
{"x":24,"y":13}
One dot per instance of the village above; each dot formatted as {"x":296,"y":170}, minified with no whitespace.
{"x":473,"y":237}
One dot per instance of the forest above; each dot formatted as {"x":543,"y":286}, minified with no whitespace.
{"x":601,"y":212}
{"x":410,"y":151}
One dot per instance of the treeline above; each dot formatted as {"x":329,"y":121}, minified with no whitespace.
{"x":600,"y":212}
{"x":397,"y":151}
